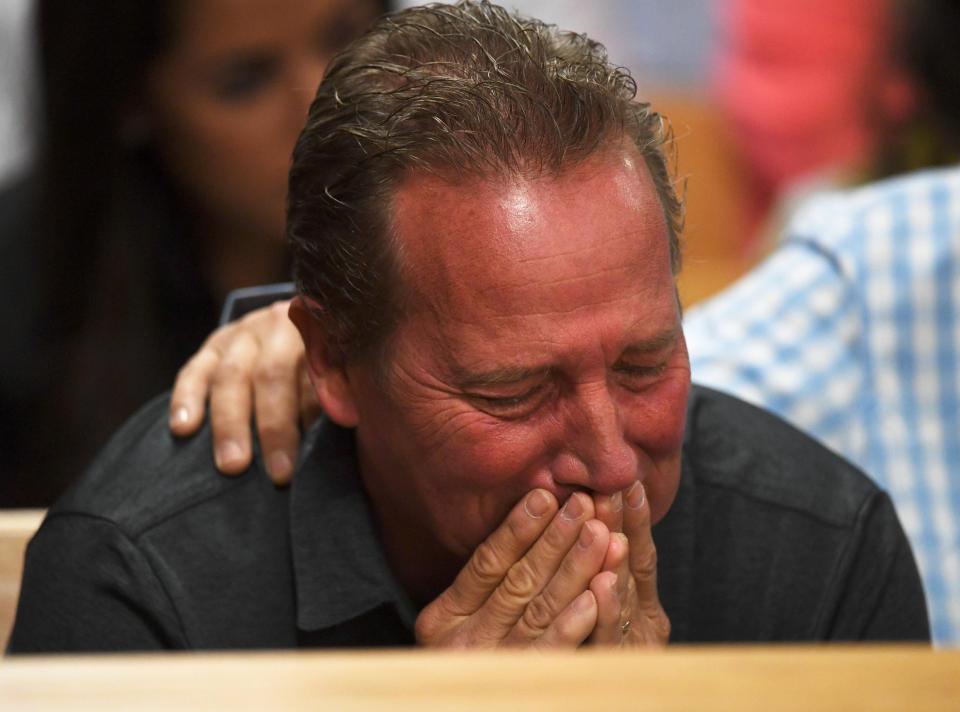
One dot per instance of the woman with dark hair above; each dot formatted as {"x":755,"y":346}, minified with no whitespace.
{"x":166,"y":134}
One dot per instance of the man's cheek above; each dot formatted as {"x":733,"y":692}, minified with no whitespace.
{"x":444,"y":426}
{"x":494,"y":452}
{"x":487,"y":470}
{"x":655,"y":420}
{"x":490,"y":466}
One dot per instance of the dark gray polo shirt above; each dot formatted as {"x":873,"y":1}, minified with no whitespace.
{"x":771,"y":538}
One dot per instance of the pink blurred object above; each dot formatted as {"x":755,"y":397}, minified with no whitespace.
{"x":807,"y":86}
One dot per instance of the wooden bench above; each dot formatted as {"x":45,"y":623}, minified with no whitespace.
{"x":16,"y":528}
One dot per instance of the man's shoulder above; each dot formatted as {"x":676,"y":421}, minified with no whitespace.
{"x":777,"y":538}
{"x":145,"y":476}
{"x":753,"y":454}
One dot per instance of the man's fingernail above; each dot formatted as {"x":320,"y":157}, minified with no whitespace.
{"x":616,"y":502}
{"x":612,"y":584}
{"x":587,"y":536}
{"x":180,"y":416}
{"x":583,"y":602}
{"x":279,"y":464}
{"x":229,"y":453}
{"x":635,"y":496}
{"x":573,"y":509}
{"x":536,"y":504}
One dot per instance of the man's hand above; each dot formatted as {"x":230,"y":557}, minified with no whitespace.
{"x":548,"y":579}
{"x":252,"y":366}
{"x":629,"y":611}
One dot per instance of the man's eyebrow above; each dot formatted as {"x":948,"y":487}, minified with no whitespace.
{"x":654,"y":344}
{"x":498,"y":376}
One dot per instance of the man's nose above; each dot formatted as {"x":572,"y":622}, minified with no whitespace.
{"x":602,"y":458}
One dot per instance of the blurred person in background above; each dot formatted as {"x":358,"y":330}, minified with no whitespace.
{"x":851,"y":328}
{"x":817,"y":94}
{"x":167,"y":129}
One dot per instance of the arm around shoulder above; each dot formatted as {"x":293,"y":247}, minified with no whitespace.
{"x":88,"y":587}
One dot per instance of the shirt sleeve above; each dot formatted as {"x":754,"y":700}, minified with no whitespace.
{"x":787,"y":338}
{"x":879,"y":595}
{"x":87,"y":587}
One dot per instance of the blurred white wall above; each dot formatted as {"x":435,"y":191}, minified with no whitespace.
{"x":16,"y":87}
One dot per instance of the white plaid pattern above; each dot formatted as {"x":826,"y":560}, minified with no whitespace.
{"x":851,"y":331}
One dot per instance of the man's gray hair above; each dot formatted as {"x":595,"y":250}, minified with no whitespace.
{"x":467,"y":91}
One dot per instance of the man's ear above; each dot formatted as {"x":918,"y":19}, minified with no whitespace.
{"x":327,"y":373}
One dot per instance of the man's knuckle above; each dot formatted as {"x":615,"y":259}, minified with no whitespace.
{"x":271,"y":373}
{"x":645,"y":563}
{"x":230,"y":371}
{"x":227,"y":427}
{"x":539,"y":613}
{"x":515,"y":526}
{"x":426,"y":626}
{"x":570,"y":568}
{"x":272,"y":431}
{"x":249,"y":320}
{"x":658,"y":625}
{"x":662,"y":626}
{"x":485,"y":565}
{"x":566,"y":628}
{"x":520,"y":583}
{"x":555,"y":541}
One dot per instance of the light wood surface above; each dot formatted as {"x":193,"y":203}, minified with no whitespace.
{"x":16,"y":528}
{"x":743,"y":679}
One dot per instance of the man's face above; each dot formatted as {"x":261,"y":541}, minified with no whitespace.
{"x":541,"y":347}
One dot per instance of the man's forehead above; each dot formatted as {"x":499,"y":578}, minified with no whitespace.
{"x":604,"y":209}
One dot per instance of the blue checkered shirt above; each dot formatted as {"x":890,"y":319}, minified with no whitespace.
{"x":851,"y":331}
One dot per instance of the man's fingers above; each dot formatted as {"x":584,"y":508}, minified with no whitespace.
{"x":531,"y":574}
{"x":276,"y":402}
{"x":618,"y":550}
{"x":581,"y":562}
{"x":498,"y":553}
{"x":649,"y":624}
{"x":611,"y":588}
{"x":231,"y":404}
{"x":609,"y":510}
{"x":643,"y":552}
{"x":276,"y":390}
{"x":254,"y":363}
{"x":573,"y":626}
{"x":608,"y":630}
{"x":189,"y":396}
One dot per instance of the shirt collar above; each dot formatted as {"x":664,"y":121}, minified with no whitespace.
{"x":338,"y":562}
